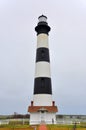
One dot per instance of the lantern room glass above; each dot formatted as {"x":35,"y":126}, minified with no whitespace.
{"x":42,"y":18}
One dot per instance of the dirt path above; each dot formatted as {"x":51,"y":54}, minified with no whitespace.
{"x":42,"y":127}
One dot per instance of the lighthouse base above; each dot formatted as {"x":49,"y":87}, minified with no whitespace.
{"x":42,"y":117}
{"x":42,"y":114}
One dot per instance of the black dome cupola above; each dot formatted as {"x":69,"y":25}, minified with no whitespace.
{"x":42,"y":26}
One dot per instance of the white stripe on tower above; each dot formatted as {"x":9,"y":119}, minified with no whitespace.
{"x":42,"y":69}
{"x":42,"y":82}
{"x":42,"y":100}
{"x":42,"y":40}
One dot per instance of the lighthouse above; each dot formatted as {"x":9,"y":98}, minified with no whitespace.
{"x":42,"y":108}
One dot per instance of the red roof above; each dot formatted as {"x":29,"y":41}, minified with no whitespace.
{"x":42,"y":108}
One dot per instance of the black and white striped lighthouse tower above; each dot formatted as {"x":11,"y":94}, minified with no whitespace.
{"x":42,"y":107}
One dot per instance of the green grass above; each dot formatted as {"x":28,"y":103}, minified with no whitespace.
{"x":67,"y":126}
{"x":14,"y":126}
{"x":19,"y":124}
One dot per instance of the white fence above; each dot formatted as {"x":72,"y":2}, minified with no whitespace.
{"x":6,"y":121}
{"x":59,"y":121}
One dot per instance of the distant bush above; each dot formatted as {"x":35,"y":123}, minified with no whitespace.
{"x":20,"y":116}
{"x":15,"y":116}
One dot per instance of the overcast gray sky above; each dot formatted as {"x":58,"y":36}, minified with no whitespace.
{"x":67,"y":43}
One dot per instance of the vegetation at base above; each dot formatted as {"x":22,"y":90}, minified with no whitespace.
{"x":66,"y":127}
{"x":19,"y":124}
{"x":16,"y":124}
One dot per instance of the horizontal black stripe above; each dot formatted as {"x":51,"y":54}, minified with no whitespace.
{"x":42,"y":54}
{"x":42,"y":27}
{"x":42,"y":85}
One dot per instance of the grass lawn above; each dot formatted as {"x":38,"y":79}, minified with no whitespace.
{"x":66,"y":127}
{"x":17,"y":126}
